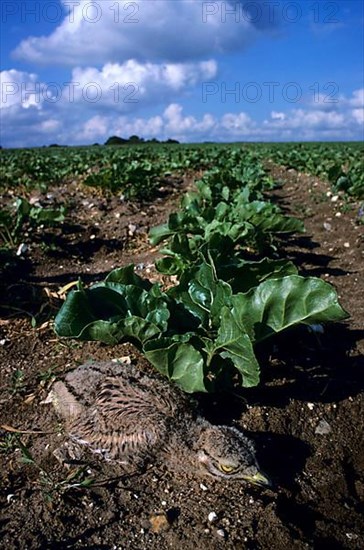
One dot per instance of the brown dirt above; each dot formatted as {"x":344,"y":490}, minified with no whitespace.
{"x":318,"y":498}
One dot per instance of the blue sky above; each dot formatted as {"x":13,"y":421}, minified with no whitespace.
{"x":79,"y":71}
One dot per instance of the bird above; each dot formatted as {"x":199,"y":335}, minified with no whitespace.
{"x":133,"y":418}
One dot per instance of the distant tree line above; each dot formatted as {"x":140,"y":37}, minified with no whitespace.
{"x":116,"y":140}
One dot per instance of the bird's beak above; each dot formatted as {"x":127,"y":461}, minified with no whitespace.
{"x":259,"y":479}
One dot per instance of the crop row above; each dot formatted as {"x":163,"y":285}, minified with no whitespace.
{"x":135,"y":171}
{"x":231,"y":294}
{"x":341,"y":164}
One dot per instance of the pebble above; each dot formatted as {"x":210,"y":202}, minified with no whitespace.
{"x":323,"y":428}
{"x":203,"y":487}
{"x":34,"y":201}
{"x":125,"y":360}
{"x":347,"y":245}
{"x":159,"y":522}
{"x":310,"y":406}
{"x":338,"y":214}
{"x":221,"y":533}
{"x":131,"y":229}
{"x":334,"y":198}
{"x":212,"y":517}
{"x":327,"y":226}
{"x":22,"y":248}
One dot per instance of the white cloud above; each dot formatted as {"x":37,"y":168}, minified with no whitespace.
{"x":277,"y":116}
{"x":327,"y":101}
{"x":115,"y":31}
{"x":357,"y":99}
{"x":20,"y":89}
{"x":94,"y":128}
{"x":38,"y":126}
{"x":122,"y":88}
{"x":50,"y":126}
{"x":239,"y":124}
{"x":296,"y":124}
{"x":131,"y":85}
{"x":152,"y":127}
{"x":358,"y":116}
{"x":301,"y":118}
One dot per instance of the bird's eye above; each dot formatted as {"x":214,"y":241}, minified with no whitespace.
{"x":226,"y":469}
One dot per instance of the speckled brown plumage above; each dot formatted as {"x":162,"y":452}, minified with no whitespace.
{"x":133,"y":418}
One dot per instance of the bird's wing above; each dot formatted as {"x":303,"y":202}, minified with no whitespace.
{"x":65,"y":402}
{"x":124,"y":424}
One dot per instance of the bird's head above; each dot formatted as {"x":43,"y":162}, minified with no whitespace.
{"x":225,"y":453}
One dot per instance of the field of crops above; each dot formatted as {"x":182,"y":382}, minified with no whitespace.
{"x":236,"y":271}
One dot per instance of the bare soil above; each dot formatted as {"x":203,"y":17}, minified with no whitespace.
{"x":306,"y":417}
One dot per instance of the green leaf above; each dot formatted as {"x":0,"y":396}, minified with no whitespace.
{"x":74,"y":315}
{"x":127,"y":276}
{"x":133,"y":329}
{"x":278,"y":304}
{"x":22,"y":207}
{"x":159,"y":233}
{"x":225,"y":193}
{"x":233,"y":343}
{"x":112,"y":312}
{"x":27,"y":457}
{"x":244,"y":274}
{"x":179,"y":361}
{"x":47,"y":215}
{"x":202,"y":294}
{"x":277,"y":223}
{"x":236,"y":231}
{"x":170,"y":265}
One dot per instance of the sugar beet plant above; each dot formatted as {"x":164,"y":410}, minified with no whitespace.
{"x":202,"y":333}
{"x":12,"y":221}
{"x":341,"y":164}
{"x":228,"y":218}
